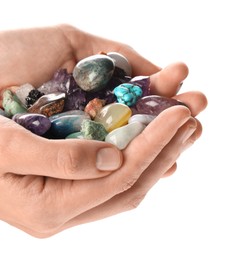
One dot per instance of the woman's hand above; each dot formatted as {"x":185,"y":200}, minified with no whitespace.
{"x":46,"y":185}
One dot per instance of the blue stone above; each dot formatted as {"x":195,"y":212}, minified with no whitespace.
{"x":64,"y":125}
{"x":67,"y":113}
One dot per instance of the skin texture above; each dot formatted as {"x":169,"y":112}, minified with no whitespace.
{"x":47,"y":186}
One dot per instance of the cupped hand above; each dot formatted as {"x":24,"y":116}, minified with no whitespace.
{"x":46,"y":185}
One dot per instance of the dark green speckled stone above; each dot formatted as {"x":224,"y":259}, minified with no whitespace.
{"x":94,"y":72}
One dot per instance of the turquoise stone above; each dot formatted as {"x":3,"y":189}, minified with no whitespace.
{"x":122,"y":136}
{"x":142,"y":118}
{"x":64,"y":125}
{"x":94,"y":72}
{"x":93,"y":130}
{"x":127,"y":94}
{"x":121,"y":62}
{"x":113,"y":116}
{"x":11,"y":104}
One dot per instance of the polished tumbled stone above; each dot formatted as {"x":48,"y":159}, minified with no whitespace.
{"x":113,"y":116}
{"x":154,"y":105}
{"x":121,"y":62}
{"x":48,"y":105}
{"x":127,"y":93}
{"x":2,"y":112}
{"x":122,"y":136}
{"x":11,"y":103}
{"x":142,"y":118}
{"x":68,"y":113}
{"x":64,"y":125}
{"x":143,"y":82}
{"x":76,"y":135}
{"x":94,"y":72}
{"x":93,"y":130}
{"x":36,"y":123}
{"x":94,"y":106}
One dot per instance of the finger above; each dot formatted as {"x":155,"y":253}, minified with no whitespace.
{"x":195,"y":100}
{"x":140,"y":65}
{"x":171,"y":171}
{"x":109,"y":208}
{"x":96,"y":44}
{"x":150,"y":143}
{"x":26,"y":153}
{"x":167,"y":82}
{"x":77,"y":197}
{"x":130,"y":199}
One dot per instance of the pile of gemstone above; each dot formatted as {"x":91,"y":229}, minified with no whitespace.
{"x":99,"y":100}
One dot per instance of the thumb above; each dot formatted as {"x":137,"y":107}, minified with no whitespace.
{"x":25,"y":153}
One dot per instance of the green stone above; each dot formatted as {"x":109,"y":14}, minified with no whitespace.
{"x":11,"y":104}
{"x":93,"y":130}
{"x":76,"y":135}
{"x":94,"y":72}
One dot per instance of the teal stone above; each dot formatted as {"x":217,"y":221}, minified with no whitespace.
{"x":122,"y":136}
{"x":64,"y":125}
{"x":76,"y":135}
{"x":93,"y":130}
{"x":11,"y":104}
{"x":127,"y":94}
{"x":94,"y":72}
{"x":67,"y":113}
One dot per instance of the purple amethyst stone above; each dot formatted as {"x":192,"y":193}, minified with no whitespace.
{"x":36,"y":123}
{"x":154,"y":105}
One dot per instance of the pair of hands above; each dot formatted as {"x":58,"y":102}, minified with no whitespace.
{"x":47,"y":186}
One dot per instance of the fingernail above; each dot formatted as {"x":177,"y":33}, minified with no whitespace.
{"x":108,"y":159}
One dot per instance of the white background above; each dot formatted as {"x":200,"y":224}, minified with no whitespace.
{"x":191,"y":215}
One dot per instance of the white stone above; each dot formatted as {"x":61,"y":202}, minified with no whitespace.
{"x":121,"y":62}
{"x":142,"y":118}
{"x":122,"y":136}
{"x":23,"y":91}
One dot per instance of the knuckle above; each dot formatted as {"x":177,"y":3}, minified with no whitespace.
{"x":127,"y":184}
{"x":135,"y":201}
{"x":67,"y":162}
